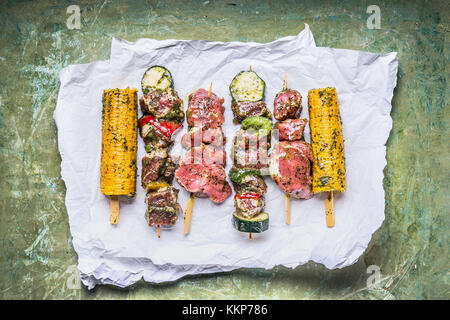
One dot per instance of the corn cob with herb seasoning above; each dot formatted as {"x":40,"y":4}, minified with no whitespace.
{"x":327,"y":144}
{"x":119,"y":146}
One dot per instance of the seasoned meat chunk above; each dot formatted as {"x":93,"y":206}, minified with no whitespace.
{"x":152,"y":163}
{"x":163,"y":197}
{"x":162,"y":206}
{"x":204,"y":110}
{"x":290,"y":168}
{"x":158,"y":165}
{"x":250,"y":159}
{"x":248,"y":207}
{"x":251,"y":150}
{"x":205,"y":154}
{"x":161,"y":216}
{"x":168,"y":170}
{"x":291,"y":129}
{"x":287,"y":105}
{"x":251,"y":139}
{"x":251,"y":183}
{"x":152,"y":136}
{"x":163,"y":104}
{"x":245,"y":109}
{"x":198,"y":135}
{"x":204,"y":180}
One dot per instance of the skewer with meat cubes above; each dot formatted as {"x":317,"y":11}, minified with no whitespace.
{"x":291,"y":158}
{"x":163,"y":115}
{"x":250,"y":152}
{"x":201,"y":171}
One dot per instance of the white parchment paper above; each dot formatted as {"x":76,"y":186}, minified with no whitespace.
{"x":123,"y":254}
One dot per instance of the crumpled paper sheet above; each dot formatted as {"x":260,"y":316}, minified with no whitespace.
{"x":123,"y":254}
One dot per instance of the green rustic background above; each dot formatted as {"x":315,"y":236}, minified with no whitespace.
{"x":411,"y":247}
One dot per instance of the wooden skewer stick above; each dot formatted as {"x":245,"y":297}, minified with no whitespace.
{"x":188,"y":214}
{"x":250,"y":67}
{"x":287,"y":197}
{"x":287,"y":208}
{"x":114,"y":209}
{"x":329,"y":210}
{"x":158,"y":230}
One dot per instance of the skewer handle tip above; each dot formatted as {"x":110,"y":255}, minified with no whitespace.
{"x":287,"y":208}
{"x":329,"y":210}
{"x":188,"y":214}
{"x":114,"y":209}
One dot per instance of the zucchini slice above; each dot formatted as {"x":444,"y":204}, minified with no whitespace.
{"x":148,"y":148}
{"x":237,"y":174}
{"x":261,"y":124}
{"x":156,"y":78}
{"x":256,"y":224}
{"x":247,"y":86}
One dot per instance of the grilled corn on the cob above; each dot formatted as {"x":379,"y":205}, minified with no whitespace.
{"x":326,"y":140}
{"x":119,"y":142}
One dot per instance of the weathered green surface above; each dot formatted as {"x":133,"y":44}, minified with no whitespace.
{"x":412,"y":245}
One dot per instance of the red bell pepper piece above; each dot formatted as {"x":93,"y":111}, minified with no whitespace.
{"x":167,"y":128}
{"x":247,"y":195}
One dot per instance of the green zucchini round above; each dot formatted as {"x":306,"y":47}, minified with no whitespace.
{"x":247,"y":86}
{"x":237,"y":174}
{"x":257,"y":224}
{"x":260,"y":124}
{"x":156,"y":78}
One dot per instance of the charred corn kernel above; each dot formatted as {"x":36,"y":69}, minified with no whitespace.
{"x":326,"y":140}
{"x":119,"y":142}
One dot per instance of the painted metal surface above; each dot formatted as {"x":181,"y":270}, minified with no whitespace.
{"x":37,"y":259}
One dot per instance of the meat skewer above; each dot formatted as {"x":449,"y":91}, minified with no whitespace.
{"x":119,"y":145}
{"x":287,"y":197}
{"x":201,"y":170}
{"x":250,"y":151}
{"x":190,"y":204}
{"x":163,"y":114}
{"x":327,"y":146}
{"x":290,"y":161}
